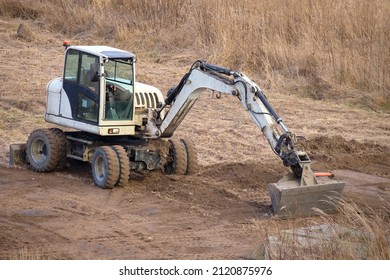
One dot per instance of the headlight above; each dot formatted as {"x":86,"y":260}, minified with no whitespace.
{"x":113,"y":131}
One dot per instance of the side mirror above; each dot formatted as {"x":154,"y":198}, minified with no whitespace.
{"x":94,"y":72}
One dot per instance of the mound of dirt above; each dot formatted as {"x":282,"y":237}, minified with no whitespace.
{"x":335,"y":152}
{"x":218,"y":187}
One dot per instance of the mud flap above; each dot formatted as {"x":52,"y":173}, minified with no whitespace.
{"x":308,"y":196}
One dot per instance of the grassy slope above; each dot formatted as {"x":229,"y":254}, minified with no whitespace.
{"x":319,"y":49}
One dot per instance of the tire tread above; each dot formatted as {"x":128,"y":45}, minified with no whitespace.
{"x":192,"y":157}
{"x":180,"y":157}
{"x":124,"y":165}
{"x":53,"y":146}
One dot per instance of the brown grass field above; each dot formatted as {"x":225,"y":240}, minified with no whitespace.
{"x":324,"y":65}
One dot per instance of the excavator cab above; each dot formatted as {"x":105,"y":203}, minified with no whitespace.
{"x":96,"y":92}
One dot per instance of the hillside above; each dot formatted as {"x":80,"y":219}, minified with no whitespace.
{"x":324,"y":66}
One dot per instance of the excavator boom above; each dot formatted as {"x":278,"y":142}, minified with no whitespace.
{"x":207,"y":76}
{"x":297,"y":194}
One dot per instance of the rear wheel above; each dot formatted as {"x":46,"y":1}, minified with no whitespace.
{"x":192,"y":157}
{"x":176,"y":158}
{"x":105,"y":167}
{"x":124,"y":166}
{"x":43,"y":150}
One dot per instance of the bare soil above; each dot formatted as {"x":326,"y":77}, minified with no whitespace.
{"x":223,"y":212}
{"x":63,"y":215}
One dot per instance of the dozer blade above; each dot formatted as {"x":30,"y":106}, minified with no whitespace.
{"x":310,"y":195}
{"x":17,"y":154}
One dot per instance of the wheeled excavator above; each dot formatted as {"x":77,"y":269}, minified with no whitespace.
{"x":120,"y":125}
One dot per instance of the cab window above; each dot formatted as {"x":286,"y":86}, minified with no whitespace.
{"x":71,"y":66}
{"x":119,"y":89}
{"x":87,"y":108}
{"x":119,"y":70}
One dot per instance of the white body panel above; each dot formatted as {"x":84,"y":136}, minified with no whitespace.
{"x":53,"y":96}
{"x":141,"y":88}
{"x":100,"y":130}
{"x":57,"y":100}
{"x":72,"y":123}
{"x":65,"y":110}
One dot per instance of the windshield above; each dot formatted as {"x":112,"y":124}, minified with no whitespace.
{"x":119,"y":70}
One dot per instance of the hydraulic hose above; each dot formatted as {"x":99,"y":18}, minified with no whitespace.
{"x":216,"y":68}
{"x":269,"y":107}
{"x":175,"y":91}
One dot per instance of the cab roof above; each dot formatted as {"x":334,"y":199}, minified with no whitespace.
{"x":104,"y":51}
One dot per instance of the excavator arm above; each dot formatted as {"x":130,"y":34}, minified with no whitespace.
{"x":207,"y":76}
{"x":300,"y":193}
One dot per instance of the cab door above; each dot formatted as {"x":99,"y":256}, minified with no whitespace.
{"x":81,"y":85}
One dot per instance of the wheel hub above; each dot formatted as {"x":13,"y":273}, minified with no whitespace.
{"x":39,"y":151}
{"x":99,"y":168}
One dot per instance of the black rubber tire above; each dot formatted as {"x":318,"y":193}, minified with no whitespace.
{"x":177,"y":158}
{"x":43,"y":150}
{"x":192,"y":157}
{"x":124,"y":165}
{"x":105,"y":167}
{"x":63,"y":148}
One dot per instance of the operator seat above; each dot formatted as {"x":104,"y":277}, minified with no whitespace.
{"x":124,"y":103}
{"x":91,"y":79}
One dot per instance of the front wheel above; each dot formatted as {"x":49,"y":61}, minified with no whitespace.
{"x":192,"y":157}
{"x":105,"y":167}
{"x":176,"y":158}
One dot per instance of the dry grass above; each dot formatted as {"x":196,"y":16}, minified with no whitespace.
{"x":358,"y":231}
{"x":321,"y":49}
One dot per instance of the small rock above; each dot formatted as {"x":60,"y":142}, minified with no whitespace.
{"x":24,"y":33}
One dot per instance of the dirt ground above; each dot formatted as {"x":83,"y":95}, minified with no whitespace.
{"x":223,"y":212}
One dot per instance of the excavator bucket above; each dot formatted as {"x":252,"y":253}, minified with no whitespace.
{"x":312,"y":194}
